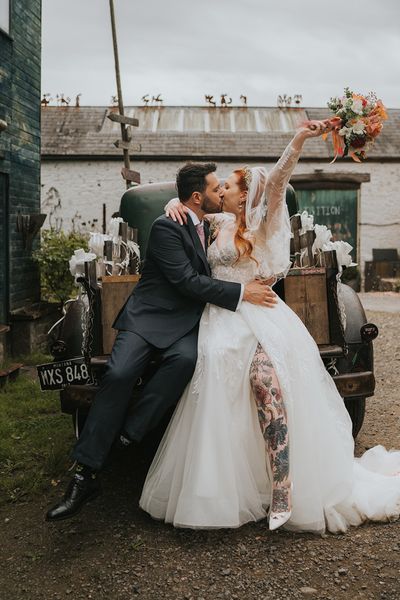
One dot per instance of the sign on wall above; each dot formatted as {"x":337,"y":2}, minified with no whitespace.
{"x":337,"y":209}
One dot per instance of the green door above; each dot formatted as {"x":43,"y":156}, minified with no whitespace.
{"x":3,"y":249}
{"x":337,"y":209}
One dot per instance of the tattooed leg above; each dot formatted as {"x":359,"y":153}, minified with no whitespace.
{"x":273,"y":422}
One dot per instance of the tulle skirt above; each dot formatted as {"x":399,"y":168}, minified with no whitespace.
{"x":211,"y":469}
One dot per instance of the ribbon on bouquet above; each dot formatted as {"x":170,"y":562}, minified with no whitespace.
{"x":337,"y":140}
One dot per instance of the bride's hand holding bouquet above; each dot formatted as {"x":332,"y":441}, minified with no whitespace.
{"x":312,"y":129}
{"x":315,"y":128}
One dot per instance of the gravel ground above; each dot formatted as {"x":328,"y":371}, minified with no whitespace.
{"x":114,"y":551}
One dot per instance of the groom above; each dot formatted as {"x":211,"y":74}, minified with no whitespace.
{"x":161,"y":316}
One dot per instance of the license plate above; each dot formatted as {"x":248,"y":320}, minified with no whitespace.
{"x":57,"y":375}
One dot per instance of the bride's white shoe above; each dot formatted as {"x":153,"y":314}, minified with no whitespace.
{"x":277,"y":519}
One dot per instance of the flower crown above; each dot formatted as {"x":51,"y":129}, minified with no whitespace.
{"x":247,"y":176}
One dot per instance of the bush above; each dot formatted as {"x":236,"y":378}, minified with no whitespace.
{"x":57,"y":247}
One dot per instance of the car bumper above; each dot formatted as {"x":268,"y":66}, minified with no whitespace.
{"x":355,"y":384}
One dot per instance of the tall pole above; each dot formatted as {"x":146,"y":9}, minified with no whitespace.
{"x":124,"y":131}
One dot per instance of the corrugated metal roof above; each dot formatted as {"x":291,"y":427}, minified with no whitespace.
{"x":186,"y":131}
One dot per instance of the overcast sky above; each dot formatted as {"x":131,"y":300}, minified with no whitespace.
{"x":184,"y":49}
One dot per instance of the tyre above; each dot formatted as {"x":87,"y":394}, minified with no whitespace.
{"x":356,"y":409}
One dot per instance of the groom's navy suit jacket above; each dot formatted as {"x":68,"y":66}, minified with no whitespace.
{"x":174,"y":287}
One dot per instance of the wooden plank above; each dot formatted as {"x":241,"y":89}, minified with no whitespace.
{"x":306,"y":271}
{"x":130,"y":175}
{"x":117,"y":118}
{"x":307,"y":297}
{"x":128,"y":146}
{"x":120,"y":278}
{"x":114,"y":293}
{"x":384,"y":268}
{"x":381,"y":254}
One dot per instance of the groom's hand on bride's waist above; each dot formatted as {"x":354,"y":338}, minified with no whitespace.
{"x":259,"y":292}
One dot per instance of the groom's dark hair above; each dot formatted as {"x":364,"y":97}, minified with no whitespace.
{"x":192,"y":178}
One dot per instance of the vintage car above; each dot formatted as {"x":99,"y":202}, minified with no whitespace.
{"x":83,"y":336}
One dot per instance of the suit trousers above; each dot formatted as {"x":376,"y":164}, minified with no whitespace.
{"x":109,"y":412}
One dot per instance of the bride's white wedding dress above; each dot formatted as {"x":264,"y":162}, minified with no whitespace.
{"x":211,"y":469}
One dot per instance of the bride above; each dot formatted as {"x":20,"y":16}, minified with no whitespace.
{"x":261,"y":424}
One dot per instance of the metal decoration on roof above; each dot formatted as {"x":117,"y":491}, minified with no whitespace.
{"x":258,"y":132}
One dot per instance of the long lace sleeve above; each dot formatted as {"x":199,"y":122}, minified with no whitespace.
{"x":267,"y":214}
{"x":279,"y":176}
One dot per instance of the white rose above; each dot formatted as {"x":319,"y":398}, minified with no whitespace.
{"x":357,"y":106}
{"x":344,"y":131}
{"x":359,"y":127}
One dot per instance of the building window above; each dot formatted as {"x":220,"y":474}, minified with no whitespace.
{"x":5,"y":15}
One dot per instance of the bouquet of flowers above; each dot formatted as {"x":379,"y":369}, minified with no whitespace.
{"x":358,"y":121}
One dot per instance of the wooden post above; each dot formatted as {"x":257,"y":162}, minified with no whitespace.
{"x":306,"y":241}
{"x":329,"y":259}
{"x":91,"y":273}
{"x":124,"y":132}
{"x":296,"y":226}
{"x":104,"y":219}
{"x":123,"y":231}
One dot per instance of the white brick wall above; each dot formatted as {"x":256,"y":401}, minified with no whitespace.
{"x":83,"y":186}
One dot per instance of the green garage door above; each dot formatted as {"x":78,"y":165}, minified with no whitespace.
{"x":337,"y":209}
{"x":3,"y":249}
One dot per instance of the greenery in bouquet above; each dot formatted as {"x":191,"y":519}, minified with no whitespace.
{"x":56,"y":248}
{"x":359,"y":120}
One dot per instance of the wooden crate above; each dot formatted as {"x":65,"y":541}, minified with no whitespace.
{"x":306,"y":294}
{"x":114,"y":293}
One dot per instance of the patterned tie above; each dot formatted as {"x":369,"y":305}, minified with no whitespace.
{"x":200,"y":231}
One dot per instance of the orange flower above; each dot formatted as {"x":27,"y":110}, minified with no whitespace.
{"x":379,"y":110}
{"x":373,"y":127}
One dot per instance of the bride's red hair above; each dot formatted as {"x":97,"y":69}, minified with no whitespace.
{"x":244,"y":246}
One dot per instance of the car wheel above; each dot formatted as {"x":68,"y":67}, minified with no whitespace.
{"x":356,"y":409}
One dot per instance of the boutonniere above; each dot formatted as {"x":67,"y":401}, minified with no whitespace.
{"x":213,"y":232}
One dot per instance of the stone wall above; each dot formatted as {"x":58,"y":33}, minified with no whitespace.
{"x":77,"y":189}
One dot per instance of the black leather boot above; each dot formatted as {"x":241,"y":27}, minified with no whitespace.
{"x":82,"y":488}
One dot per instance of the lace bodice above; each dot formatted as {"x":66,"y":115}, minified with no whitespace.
{"x":222,"y":261}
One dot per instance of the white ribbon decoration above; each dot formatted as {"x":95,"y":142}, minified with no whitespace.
{"x":76,"y":263}
{"x":323,"y":235}
{"x":96,"y":243}
{"x":307,"y":221}
{"x":343,"y":250}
